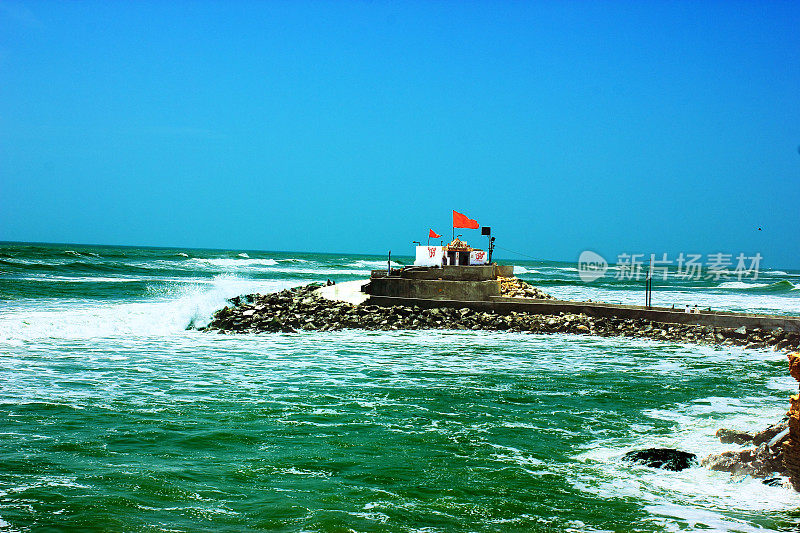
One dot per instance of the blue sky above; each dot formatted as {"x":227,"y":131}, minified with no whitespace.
{"x":356,"y":126}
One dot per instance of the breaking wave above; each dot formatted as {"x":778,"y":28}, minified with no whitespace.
{"x":777,"y":287}
{"x":372,"y":265}
{"x":232,"y":263}
{"x":170,"y":310}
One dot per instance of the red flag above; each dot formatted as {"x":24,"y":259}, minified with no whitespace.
{"x":432,"y":234}
{"x":461,"y":221}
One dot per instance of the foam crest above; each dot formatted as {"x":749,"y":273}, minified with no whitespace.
{"x":171,"y":310}
{"x":740,"y":285}
{"x":222,"y":262}
{"x":372,"y":265}
{"x":522,"y":270}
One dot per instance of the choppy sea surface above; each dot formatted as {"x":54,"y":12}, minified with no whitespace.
{"x":115,"y":417}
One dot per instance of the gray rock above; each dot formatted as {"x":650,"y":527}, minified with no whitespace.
{"x":728,"y":436}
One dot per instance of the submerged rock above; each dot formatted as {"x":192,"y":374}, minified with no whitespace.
{"x":665,"y":458}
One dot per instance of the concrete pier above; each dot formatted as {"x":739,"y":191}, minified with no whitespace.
{"x":503,"y":305}
{"x":478,"y":288}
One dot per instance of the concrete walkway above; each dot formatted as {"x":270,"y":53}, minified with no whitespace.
{"x":348,"y":291}
{"x":502,"y":305}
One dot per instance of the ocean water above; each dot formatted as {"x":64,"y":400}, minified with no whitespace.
{"x":115,"y":417}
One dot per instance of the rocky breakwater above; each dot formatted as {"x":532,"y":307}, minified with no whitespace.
{"x":301,"y":309}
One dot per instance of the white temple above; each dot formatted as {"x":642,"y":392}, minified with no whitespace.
{"x":456,"y":253}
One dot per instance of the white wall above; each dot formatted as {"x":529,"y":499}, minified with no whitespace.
{"x":478,"y":257}
{"x":429,"y":256}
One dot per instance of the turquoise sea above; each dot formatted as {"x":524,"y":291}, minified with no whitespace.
{"x":115,"y":417}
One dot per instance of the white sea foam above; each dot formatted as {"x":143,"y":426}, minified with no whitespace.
{"x":222,"y":262}
{"x":184,"y":305}
{"x":52,"y":262}
{"x":272,"y":266}
{"x":716,"y":496}
{"x":522,"y":270}
{"x":740,"y":285}
{"x":73,"y":253}
{"x":371,"y":265}
{"x":244,"y":255}
{"x":80,"y":279}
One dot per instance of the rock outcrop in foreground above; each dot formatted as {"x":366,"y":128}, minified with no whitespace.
{"x":776,"y":455}
{"x":791,"y":447}
{"x":300,"y":309}
{"x":764,"y":460}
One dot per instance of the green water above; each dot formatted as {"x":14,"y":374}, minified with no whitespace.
{"x":114,"y":418}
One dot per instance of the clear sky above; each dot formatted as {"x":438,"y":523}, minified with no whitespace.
{"x":356,"y":126}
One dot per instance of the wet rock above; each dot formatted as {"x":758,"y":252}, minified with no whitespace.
{"x":766,"y":459}
{"x":728,"y":436}
{"x":791,"y":445}
{"x":778,"y":481}
{"x":665,"y":458}
{"x":759,"y":462}
{"x":769,"y":433}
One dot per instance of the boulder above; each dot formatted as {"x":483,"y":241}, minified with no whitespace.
{"x":665,"y":458}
